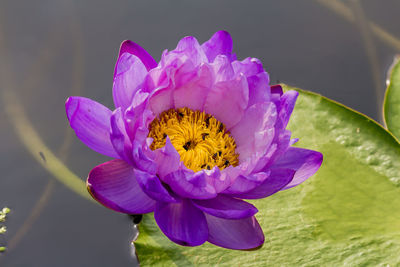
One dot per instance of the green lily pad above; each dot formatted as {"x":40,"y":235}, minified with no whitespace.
{"x":346,"y":214}
{"x":392,"y":101}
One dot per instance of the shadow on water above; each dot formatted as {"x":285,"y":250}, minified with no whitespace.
{"x":52,"y":50}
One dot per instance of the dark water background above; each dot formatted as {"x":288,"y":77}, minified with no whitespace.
{"x":52,"y":49}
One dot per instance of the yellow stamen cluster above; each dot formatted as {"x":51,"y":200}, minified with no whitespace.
{"x":201,"y":140}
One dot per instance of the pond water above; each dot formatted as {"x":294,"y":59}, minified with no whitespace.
{"x":50,"y":50}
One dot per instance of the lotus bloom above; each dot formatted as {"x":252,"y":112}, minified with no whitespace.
{"x":192,"y":136}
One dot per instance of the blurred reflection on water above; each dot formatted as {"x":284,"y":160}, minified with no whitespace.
{"x":54,"y":49}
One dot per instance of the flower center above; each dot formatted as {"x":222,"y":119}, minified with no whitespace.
{"x":201,"y":140}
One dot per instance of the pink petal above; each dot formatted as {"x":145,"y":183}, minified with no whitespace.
{"x":193,"y":93}
{"x":162,"y":100}
{"x":255,"y":131}
{"x":161,"y":97}
{"x":227,"y":101}
{"x":192,"y":49}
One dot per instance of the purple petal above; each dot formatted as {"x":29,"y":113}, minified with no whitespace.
{"x":91,"y":123}
{"x":114,"y":185}
{"x":119,"y":137}
{"x":220,"y":180}
{"x":219,"y":44}
{"x":234,"y":234}
{"x":166,"y":80}
{"x":152,"y":186}
{"x":278,"y":147}
{"x":305,"y":162}
{"x":249,"y":66}
{"x":191,"y":185}
{"x":192,"y":49}
{"x":129,"y":76}
{"x":243,"y":184}
{"x":143,"y":161}
{"x":294,"y":141}
{"x":137,"y":117}
{"x":162,"y":99}
{"x":167,"y":158}
{"x":168,"y":59}
{"x":277,"y":180}
{"x":193,"y":93}
{"x":259,"y":89}
{"x":226,"y":207}
{"x":182,"y":223}
{"x":227,"y":101}
{"x":130,"y":47}
{"x":255,"y":131}
{"x":183,"y":73}
{"x":222,"y":68}
{"x":276,"y":89}
{"x":288,"y":100}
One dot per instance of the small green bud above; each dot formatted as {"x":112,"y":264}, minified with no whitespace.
{"x":6,"y":210}
{"x":3,"y":229}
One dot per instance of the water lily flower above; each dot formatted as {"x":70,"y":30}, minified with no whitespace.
{"x":192,"y":136}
